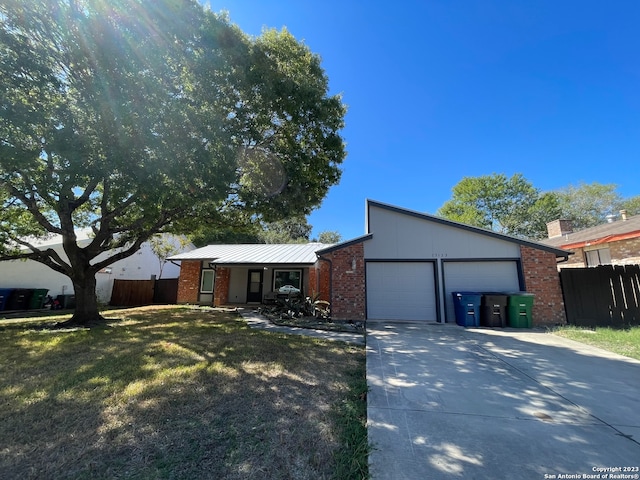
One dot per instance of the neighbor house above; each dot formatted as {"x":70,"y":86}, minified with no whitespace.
{"x":616,"y":242}
{"x":405,"y":267}
{"x":142,"y":265}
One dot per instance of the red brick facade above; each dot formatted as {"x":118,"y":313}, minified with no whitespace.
{"x":319,"y":278}
{"x":348,"y":298}
{"x":189,"y":281}
{"x":541,"y":278}
{"x":221,"y":286}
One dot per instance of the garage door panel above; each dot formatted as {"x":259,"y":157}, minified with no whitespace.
{"x":491,"y":276}
{"x":401,"y":291}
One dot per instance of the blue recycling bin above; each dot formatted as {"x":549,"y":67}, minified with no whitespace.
{"x":5,"y":293}
{"x":467,"y":308}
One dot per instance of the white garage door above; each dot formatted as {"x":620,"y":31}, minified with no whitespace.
{"x":500,"y":276}
{"x":401,"y":291}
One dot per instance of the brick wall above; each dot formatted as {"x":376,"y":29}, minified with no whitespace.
{"x":575,"y":261}
{"x":221,"y":286}
{"x":348,"y":283}
{"x":625,"y":252}
{"x":189,"y":281}
{"x":319,"y":279}
{"x":312,"y":285}
{"x":542,"y":279}
{"x":559,"y":227}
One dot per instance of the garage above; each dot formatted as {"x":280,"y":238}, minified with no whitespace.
{"x":479,"y":276}
{"x":401,"y":291}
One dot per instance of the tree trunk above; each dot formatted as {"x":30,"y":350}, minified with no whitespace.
{"x":86,"y":312}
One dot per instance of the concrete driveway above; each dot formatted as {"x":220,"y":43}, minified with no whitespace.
{"x":448,"y":402}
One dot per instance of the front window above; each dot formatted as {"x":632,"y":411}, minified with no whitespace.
{"x":287,"y":277}
{"x":206,"y":282}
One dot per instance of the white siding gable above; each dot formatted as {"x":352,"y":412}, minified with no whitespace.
{"x":404,"y":236}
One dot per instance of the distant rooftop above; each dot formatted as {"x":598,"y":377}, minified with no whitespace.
{"x":617,"y":230}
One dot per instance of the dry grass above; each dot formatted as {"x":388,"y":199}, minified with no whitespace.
{"x":172,"y":393}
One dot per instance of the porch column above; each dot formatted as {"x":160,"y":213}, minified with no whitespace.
{"x":221,"y":286}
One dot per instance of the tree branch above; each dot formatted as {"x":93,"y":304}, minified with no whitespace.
{"x":32,"y":206}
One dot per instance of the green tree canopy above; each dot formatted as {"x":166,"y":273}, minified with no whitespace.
{"x":288,"y":230}
{"x":136,"y":117}
{"x":495,"y":202}
{"x":589,"y":204}
{"x":515,"y":207}
{"x":631,"y":205}
{"x":330,"y":236}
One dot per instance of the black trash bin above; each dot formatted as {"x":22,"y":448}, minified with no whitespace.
{"x":493,"y":310}
{"x":19,"y":299}
{"x":67,"y":301}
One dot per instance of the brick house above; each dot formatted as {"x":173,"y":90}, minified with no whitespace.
{"x":613,"y":243}
{"x":245,"y":274}
{"x":405,"y":267}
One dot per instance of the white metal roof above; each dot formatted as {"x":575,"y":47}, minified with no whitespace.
{"x":255,"y":253}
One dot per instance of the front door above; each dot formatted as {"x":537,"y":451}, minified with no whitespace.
{"x":254,"y":288}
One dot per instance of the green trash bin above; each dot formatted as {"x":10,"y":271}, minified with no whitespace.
{"x":37,"y":298}
{"x":520,"y":310}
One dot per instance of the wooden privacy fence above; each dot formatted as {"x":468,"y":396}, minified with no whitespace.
{"x":604,"y":296}
{"x":131,"y":293}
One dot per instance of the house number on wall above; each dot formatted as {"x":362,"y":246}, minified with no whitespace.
{"x":438,"y":255}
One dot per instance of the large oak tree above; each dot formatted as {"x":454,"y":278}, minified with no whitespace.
{"x":134,"y":117}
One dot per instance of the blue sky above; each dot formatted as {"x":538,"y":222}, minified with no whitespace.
{"x":440,"y":90}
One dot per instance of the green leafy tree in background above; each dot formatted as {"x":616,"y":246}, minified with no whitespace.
{"x":494,"y":202}
{"x":164,"y":246}
{"x":289,"y":230}
{"x":329,"y":236}
{"x":588,"y":205}
{"x":631,"y":205}
{"x":514,"y":206}
{"x":137,"y":117}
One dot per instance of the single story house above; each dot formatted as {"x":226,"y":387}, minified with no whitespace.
{"x":405,"y":267}
{"x":142,"y":265}
{"x":616,"y":242}
{"x":244,"y":274}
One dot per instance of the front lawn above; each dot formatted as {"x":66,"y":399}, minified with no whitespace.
{"x":179,"y":393}
{"x":622,"y":341}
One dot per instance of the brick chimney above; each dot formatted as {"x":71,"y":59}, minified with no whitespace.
{"x":623,"y":214}
{"x":558,"y":228}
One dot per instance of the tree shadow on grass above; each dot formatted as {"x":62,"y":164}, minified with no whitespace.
{"x":180,"y":395}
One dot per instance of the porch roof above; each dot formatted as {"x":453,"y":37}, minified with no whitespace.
{"x":303,"y":253}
